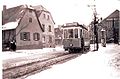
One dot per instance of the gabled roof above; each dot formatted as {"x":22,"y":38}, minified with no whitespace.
{"x":74,"y":24}
{"x":39,"y":9}
{"x":12,"y":14}
{"x":15,"y":13}
{"x":112,"y":15}
{"x":10,"y":25}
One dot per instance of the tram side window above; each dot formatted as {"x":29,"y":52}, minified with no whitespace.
{"x":80,"y":32}
{"x":76,"y":33}
{"x":65,"y":33}
{"x":70,"y":31}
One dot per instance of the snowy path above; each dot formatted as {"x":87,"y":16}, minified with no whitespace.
{"x":23,"y":53}
{"x":93,"y":65}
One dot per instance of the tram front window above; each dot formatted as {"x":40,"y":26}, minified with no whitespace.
{"x":80,"y":32}
{"x":65,"y":33}
{"x":70,"y":33}
{"x":76,"y":33}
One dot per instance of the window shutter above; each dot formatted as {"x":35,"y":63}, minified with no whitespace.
{"x":21,"y":36}
{"x":28,"y":36}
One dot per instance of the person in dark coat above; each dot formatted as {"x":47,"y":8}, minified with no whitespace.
{"x":82,"y":44}
{"x":13,"y":46}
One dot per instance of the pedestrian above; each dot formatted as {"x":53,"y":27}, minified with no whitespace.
{"x":13,"y":46}
{"x":82,"y":44}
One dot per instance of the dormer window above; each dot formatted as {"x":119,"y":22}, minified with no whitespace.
{"x":30,"y":10}
{"x":49,"y":28}
{"x":48,"y":17}
{"x":44,"y":16}
{"x":43,"y":25}
{"x":30,"y":19}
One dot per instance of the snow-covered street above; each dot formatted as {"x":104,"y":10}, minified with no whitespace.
{"x":92,"y":65}
{"x":99,"y":64}
{"x":23,"y":53}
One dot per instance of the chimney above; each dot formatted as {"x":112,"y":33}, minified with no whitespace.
{"x":4,"y":7}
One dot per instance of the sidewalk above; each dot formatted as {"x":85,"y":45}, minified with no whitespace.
{"x":92,"y":65}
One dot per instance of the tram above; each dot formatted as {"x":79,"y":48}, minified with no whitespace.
{"x":75,"y":38}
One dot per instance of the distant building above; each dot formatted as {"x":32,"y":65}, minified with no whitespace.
{"x":34,"y":27}
{"x":58,"y":35}
{"x":111,"y":25}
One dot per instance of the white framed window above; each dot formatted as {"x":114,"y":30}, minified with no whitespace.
{"x":36,"y":36}
{"x":43,"y":39}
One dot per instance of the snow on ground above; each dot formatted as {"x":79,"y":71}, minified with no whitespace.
{"x":23,"y":53}
{"x":93,"y":65}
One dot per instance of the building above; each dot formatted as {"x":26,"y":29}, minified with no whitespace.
{"x":47,"y":23}
{"x":111,"y":25}
{"x":32,"y":30}
{"x":58,"y":35}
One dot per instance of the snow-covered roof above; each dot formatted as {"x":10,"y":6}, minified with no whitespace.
{"x":10,"y":25}
{"x":39,"y":7}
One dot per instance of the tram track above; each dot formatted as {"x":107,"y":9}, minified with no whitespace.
{"x":22,"y":70}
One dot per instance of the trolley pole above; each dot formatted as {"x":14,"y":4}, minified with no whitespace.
{"x":96,"y":32}
{"x":95,"y":22}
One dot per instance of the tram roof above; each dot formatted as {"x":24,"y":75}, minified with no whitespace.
{"x":78,"y":25}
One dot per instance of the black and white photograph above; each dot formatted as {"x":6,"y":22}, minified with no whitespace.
{"x":60,"y":39}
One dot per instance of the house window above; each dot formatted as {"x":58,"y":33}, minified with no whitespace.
{"x":44,"y":16}
{"x":36,"y":36}
{"x":30,"y":19}
{"x":25,"y":36}
{"x":50,"y":39}
{"x":43,"y":39}
{"x":30,"y":10}
{"x":48,"y":17}
{"x":49,"y":28}
{"x":43,"y":25}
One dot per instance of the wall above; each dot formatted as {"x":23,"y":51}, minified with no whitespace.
{"x":44,"y":20}
{"x":32,"y":27}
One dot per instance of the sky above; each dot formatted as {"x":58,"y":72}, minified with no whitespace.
{"x":67,"y":11}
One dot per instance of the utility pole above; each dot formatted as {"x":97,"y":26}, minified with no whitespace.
{"x":95,"y":22}
{"x":119,"y":28}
